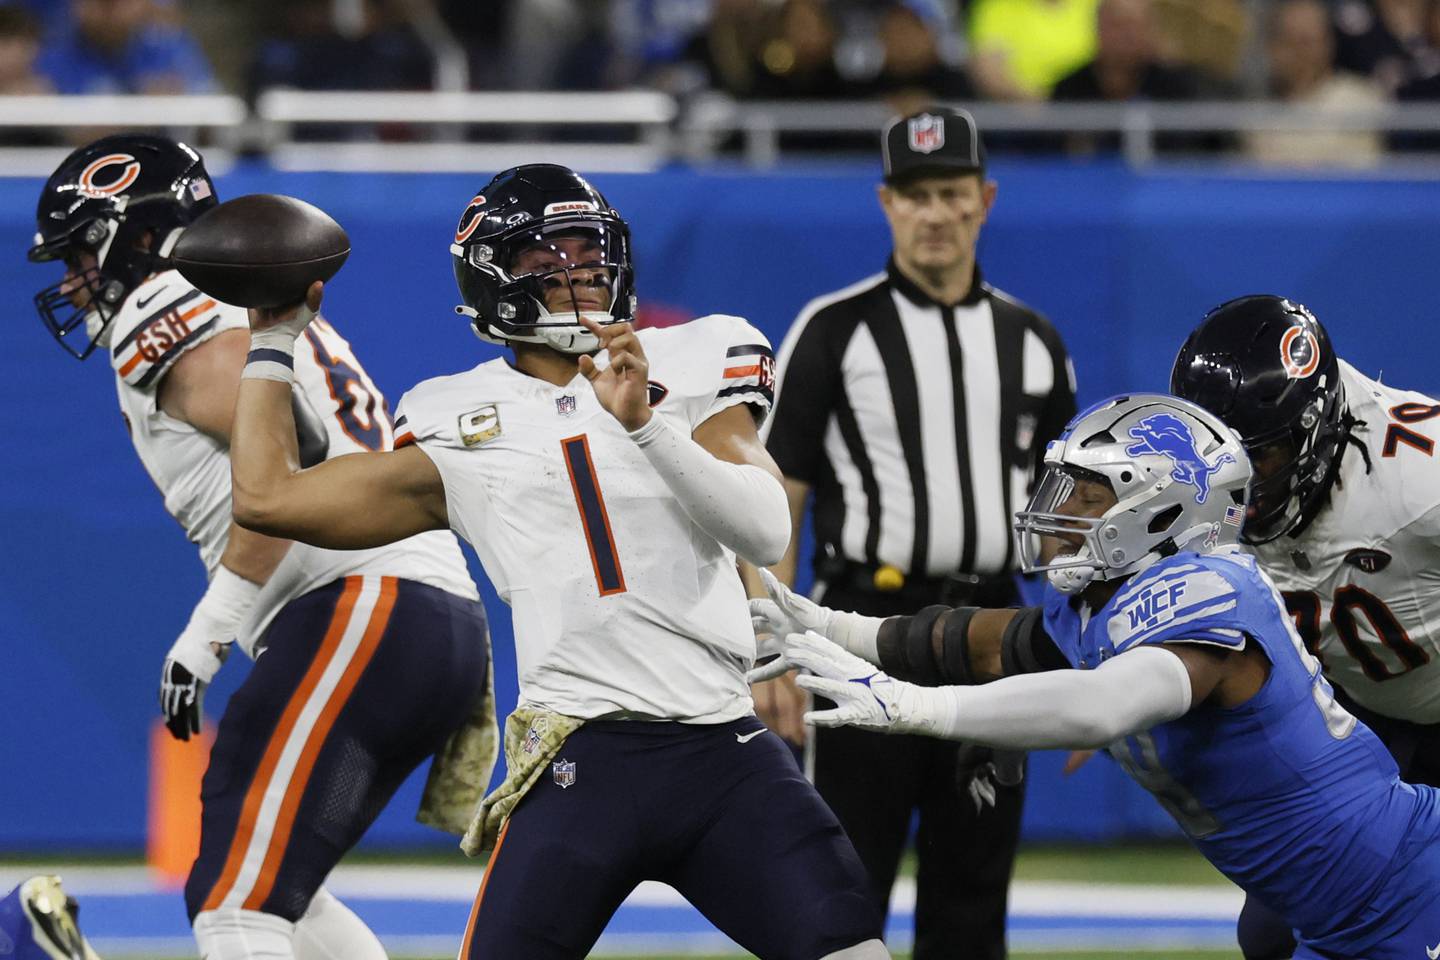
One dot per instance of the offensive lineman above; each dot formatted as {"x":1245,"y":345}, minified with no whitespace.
{"x":607,"y":479}
{"x":1186,"y":664}
{"x":1344,"y":518}
{"x":373,"y":660}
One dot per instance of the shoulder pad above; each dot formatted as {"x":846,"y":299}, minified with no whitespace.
{"x":445,"y":410}
{"x":1179,"y":602}
{"x":150,"y":335}
{"x":747,"y":364}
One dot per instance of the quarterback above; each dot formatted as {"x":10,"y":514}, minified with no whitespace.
{"x":607,"y":479}
{"x":374,"y":659}
{"x":1162,"y":642}
{"x":1344,"y":518}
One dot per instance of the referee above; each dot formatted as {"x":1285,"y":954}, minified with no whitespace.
{"x":913,"y":405}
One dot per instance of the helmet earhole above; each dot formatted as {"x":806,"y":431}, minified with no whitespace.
{"x":1126,"y":476}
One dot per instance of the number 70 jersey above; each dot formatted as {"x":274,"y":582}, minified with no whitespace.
{"x":622,"y":606}
{"x":1363,"y":580}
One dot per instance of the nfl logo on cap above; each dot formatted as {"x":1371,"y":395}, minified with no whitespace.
{"x":927,"y":133}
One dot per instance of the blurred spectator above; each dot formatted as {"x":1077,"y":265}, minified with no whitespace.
{"x":660,"y":43}
{"x":913,"y":62}
{"x":558,"y":45}
{"x":1301,"y":53}
{"x":309,"y":50}
{"x":1019,"y":48}
{"x":769,"y":50}
{"x":123,"y":46}
{"x":1128,"y":66}
{"x":19,"y":49}
{"x":1423,"y":89}
{"x":1386,"y":40}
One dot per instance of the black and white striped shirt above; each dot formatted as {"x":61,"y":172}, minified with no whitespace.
{"x":918,"y":424}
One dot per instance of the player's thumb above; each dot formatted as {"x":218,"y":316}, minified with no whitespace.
{"x":588,"y":368}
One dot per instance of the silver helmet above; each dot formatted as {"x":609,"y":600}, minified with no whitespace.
{"x":1179,"y":476}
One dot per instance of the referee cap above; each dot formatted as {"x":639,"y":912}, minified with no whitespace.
{"x":934,"y":140}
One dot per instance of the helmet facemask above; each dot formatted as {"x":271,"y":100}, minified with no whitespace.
{"x":1132,"y":480}
{"x":534,"y":284}
{"x":57,"y":303}
{"x":1285,"y":499}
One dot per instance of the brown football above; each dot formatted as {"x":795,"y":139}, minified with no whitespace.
{"x":261,"y":250}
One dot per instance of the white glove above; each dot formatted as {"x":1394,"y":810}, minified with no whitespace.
{"x":865,"y":696}
{"x":197,"y":654}
{"x":774,"y":619}
{"x":787,"y":612}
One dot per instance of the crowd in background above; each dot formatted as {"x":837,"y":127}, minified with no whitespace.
{"x":1329,"y":53}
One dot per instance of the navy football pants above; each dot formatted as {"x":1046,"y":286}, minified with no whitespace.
{"x":359,"y":682}
{"x":720,"y":812}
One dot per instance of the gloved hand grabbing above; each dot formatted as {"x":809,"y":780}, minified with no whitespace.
{"x":864,"y":695}
{"x":773,"y":619}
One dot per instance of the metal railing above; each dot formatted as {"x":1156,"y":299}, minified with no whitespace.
{"x":631,"y":130}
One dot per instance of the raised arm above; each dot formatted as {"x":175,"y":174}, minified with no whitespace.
{"x":350,"y":502}
{"x":721,"y":476}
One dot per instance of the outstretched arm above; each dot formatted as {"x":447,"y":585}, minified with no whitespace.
{"x":348,"y":503}
{"x":935,"y":647}
{"x":1057,"y":709}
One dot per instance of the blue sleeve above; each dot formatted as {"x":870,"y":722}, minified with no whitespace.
{"x":1182,"y":602}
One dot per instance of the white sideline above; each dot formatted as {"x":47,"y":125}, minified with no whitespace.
{"x":459,"y":883}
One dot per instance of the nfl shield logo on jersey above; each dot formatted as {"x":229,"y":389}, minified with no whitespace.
{"x":565,"y":405}
{"x":564,"y":773}
{"x":927,"y":133}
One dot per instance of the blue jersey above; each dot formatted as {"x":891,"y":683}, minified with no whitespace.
{"x":1287,"y":794}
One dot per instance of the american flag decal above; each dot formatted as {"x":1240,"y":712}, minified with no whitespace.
{"x":1234,"y":516}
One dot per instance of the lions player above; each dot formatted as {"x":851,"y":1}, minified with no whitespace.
{"x":1187,"y":666}
{"x":607,"y":478}
{"x":373,"y":659}
{"x":1344,"y":518}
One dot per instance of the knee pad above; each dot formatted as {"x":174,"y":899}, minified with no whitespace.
{"x":869,"y":950}
{"x":230,"y":933}
{"x":329,"y":930}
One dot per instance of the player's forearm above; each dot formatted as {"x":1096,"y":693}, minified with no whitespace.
{"x":741,"y":505}
{"x":944,"y":646}
{"x":1061,"y":709}
{"x":264,"y":457}
{"x":251,"y":555}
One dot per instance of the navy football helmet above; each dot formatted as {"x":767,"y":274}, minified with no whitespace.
{"x":537,"y":249}
{"x":1265,"y":366}
{"x":124,"y":201}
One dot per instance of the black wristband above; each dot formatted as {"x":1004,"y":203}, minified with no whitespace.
{"x":1025,"y":647}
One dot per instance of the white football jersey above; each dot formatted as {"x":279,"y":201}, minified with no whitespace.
{"x":1364,"y":577}
{"x":163,"y":318}
{"x":622,"y":605}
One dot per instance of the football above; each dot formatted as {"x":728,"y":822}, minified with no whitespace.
{"x":261,"y":250}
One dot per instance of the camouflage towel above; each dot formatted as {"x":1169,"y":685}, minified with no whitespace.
{"x":462,"y":768}
{"x":532,"y":738}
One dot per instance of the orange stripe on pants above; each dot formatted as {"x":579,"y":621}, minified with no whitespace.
{"x":245,"y":828}
{"x":305,"y":766}
{"x":475,"y":910}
